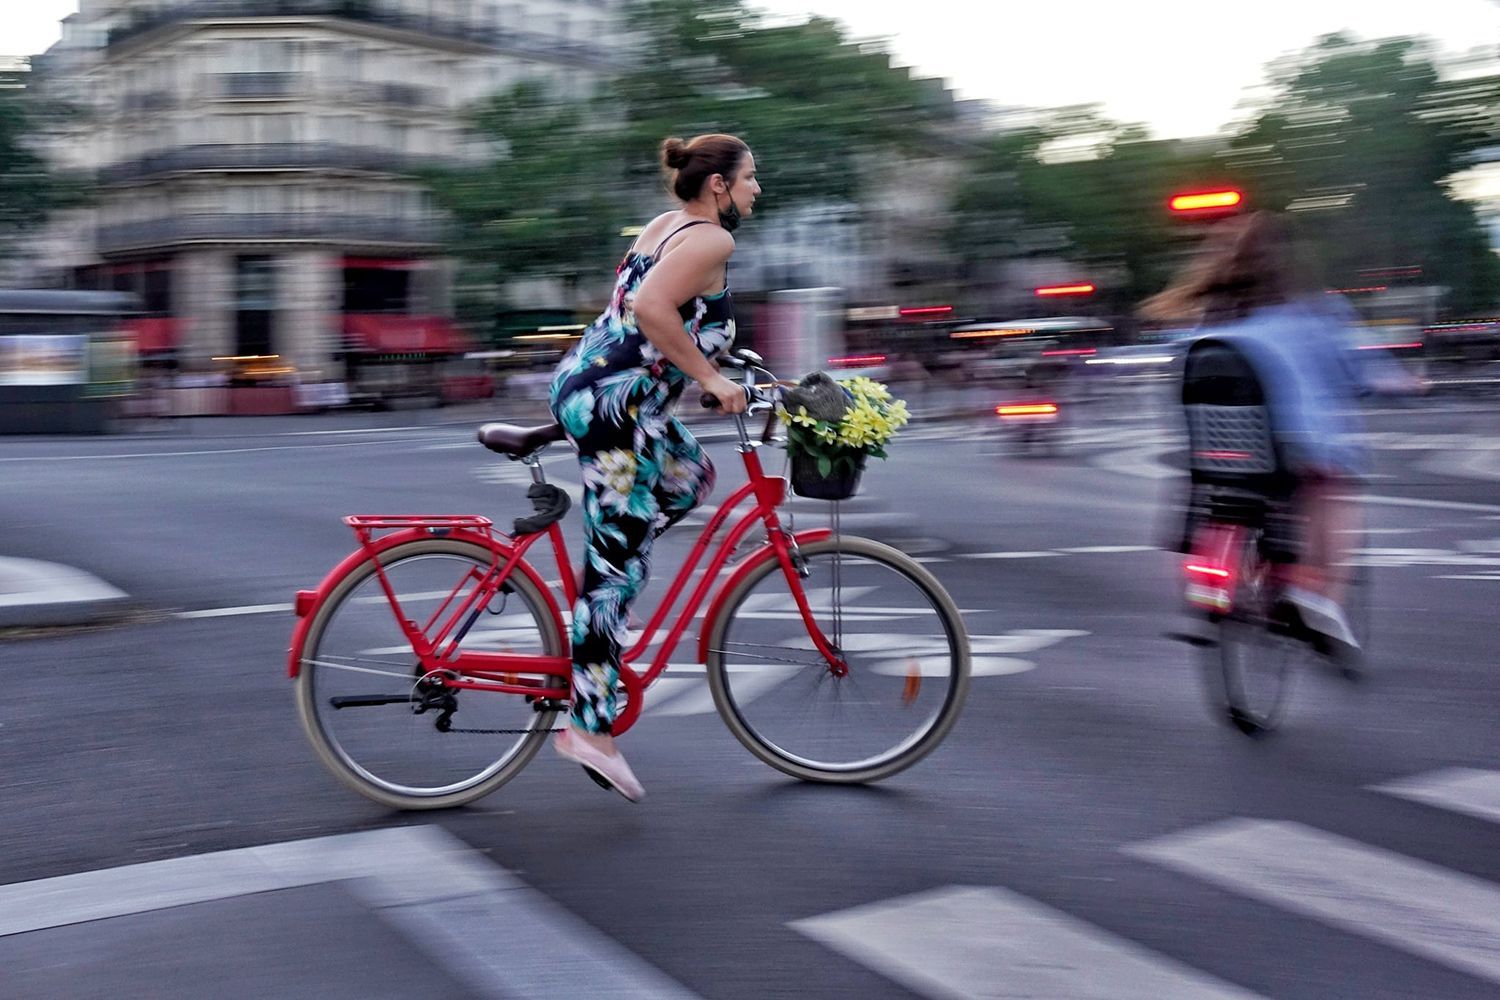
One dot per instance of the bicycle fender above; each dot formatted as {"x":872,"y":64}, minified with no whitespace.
{"x":746,"y":565}
{"x":309,"y":601}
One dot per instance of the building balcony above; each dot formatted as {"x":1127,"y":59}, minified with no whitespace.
{"x":344,"y":230}
{"x":370,"y":12}
{"x":273,"y":85}
{"x":154,"y":100}
{"x":264,"y":156}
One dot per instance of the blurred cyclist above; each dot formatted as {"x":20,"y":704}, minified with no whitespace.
{"x":1247,"y":289}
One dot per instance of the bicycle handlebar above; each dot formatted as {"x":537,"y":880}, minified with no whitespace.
{"x":758,"y":398}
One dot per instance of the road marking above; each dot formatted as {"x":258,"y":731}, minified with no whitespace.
{"x":1007,"y":555}
{"x":1420,"y":557}
{"x":1141,"y":463}
{"x":1465,"y":790}
{"x":698,"y":699}
{"x":1416,"y":906}
{"x":1077,"y":550}
{"x":1429,"y":504}
{"x":186,"y":454}
{"x":248,"y":609}
{"x":475,"y":919}
{"x":969,"y":942}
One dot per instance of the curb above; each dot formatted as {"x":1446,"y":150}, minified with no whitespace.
{"x":36,"y":594}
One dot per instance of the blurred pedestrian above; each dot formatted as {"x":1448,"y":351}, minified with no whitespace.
{"x":614,"y":394}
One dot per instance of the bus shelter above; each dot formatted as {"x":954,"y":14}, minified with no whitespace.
{"x":66,"y":363}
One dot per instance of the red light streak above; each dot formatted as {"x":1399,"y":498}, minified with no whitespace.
{"x":1027,"y":410}
{"x":1081,"y":288}
{"x":1205,"y":200}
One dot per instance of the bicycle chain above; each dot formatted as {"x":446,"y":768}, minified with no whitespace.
{"x":502,"y":732}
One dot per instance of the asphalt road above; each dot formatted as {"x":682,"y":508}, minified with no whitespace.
{"x":1089,"y":825}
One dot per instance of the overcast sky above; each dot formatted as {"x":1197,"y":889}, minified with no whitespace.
{"x":1180,"y":66}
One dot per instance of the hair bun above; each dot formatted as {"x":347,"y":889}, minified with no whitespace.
{"x":674,"y":153}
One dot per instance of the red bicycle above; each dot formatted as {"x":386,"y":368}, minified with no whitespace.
{"x":431,"y":663}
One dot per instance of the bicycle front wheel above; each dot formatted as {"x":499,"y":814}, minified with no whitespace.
{"x":899,"y":633}
{"x":369,"y":714}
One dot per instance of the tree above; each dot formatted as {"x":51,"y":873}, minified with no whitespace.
{"x":546,"y":203}
{"x":809,"y":100}
{"x":565,"y":175}
{"x":1360,"y":141}
{"x":1102,"y":206}
{"x":29,"y":191}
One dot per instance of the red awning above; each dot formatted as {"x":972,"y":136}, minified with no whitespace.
{"x":383,"y":334}
{"x":381,"y":263}
{"x":153,"y":335}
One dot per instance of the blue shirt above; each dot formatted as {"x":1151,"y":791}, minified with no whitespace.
{"x":1312,"y":379}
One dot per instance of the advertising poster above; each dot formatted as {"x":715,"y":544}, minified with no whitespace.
{"x":42,"y":359}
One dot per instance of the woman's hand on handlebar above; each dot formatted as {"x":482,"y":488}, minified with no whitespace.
{"x":730,"y":395}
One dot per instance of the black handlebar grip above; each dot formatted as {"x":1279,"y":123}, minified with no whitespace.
{"x":710,"y":402}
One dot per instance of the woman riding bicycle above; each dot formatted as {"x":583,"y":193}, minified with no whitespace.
{"x":1246,"y":290}
{"x":614,"y":393}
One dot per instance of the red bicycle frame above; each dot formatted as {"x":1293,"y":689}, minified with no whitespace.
{"x":436,"y":640}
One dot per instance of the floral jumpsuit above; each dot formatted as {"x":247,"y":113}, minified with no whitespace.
{"x":642,"y":471}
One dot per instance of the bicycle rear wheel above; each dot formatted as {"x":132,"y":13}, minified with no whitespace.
{"x":904,"y":643}
{"x":360,"y":693}
{"x":1256,"y":654}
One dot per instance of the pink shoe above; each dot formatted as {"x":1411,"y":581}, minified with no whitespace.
{"x":608,"y":770}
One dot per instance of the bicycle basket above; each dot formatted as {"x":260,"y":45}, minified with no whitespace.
{"x":840,"y":484}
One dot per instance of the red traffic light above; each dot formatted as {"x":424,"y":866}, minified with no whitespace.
{"x":1206,"y":201}
{"x":1078,"y":288}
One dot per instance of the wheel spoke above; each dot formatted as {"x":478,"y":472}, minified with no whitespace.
{"x":854,"y":725}
{"x":408,"y":759}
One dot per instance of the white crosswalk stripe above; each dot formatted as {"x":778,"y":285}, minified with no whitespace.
{"x":1413,"y":905}
{"x":968,"y":942}
{"x":1461,"y":789}
{"x":962,"y":941}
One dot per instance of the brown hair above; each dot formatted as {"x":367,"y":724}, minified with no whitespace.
{"x":1245,"y":264}
{"x":690,"y":164}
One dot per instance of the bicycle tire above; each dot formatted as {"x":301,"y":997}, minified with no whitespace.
{"x":1255,"y":662}
{"x":880,"y":766}
{"x":338,"y":759}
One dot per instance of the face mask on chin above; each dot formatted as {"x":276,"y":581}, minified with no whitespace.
{"x":728,"y":218}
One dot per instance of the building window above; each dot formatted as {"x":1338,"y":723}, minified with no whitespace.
{"x":255,"y":299}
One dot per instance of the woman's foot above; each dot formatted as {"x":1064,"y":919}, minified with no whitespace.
{"x":597,"y":754}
